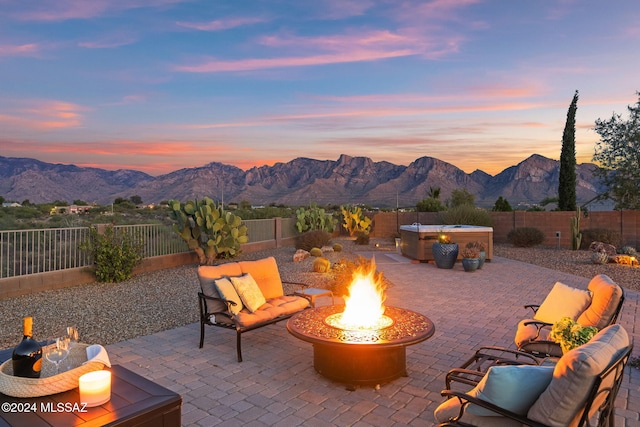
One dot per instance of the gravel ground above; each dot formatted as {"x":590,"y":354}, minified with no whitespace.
{"x":148,"y":303}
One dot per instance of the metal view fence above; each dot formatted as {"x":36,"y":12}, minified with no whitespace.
{"x":25,"y":252}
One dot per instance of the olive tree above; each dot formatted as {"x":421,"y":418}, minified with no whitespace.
{"x":618,"y":155}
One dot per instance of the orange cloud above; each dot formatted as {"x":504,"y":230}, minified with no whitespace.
{"x":44,"y":114}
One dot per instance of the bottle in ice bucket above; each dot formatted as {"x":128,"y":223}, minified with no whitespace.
{"x":27,"y":356}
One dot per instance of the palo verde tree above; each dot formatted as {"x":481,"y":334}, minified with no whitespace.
{"x":618,"y":155}
{"x":567,"y":178}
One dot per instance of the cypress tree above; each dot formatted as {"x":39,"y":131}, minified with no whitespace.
{"x":567,"y":178}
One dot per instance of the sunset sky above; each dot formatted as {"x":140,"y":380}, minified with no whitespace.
{"x":160,"y":85}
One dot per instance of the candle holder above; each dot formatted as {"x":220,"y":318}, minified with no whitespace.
{"x":95,"y":388}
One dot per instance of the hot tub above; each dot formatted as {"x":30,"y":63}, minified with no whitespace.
{"x":416,"y":239}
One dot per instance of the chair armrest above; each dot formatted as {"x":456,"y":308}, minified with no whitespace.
{"x":472,"y":371}
{"x":465,"y":376}
{"x":203,"y":312}
{"x":533,"y":307}
{"x":465,"y":400}
{"x":539,"y":325}
{"x":497,"y":354}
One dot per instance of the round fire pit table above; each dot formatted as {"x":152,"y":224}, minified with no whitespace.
{"x":363,"y":356}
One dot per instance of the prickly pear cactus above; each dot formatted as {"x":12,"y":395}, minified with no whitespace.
{"x":208,"y":230}
{"x":354,"y":220}
{"x":314,"y":218}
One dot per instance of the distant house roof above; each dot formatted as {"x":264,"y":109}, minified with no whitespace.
{"x":11,"y":205}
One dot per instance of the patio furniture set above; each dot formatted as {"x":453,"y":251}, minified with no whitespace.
{"x":538,"y":384}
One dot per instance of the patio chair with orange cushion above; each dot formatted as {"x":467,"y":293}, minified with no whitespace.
{"x":597,"y":306}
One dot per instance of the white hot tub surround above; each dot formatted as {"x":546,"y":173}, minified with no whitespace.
{"x":417,"y":239}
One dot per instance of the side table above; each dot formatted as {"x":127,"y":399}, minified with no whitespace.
{"x":135,"y":401}
{"x":312,"y":293}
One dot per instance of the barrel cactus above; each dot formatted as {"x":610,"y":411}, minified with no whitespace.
{"x":321,"y":265}
{"x":337,"y":247}
{"x":208,"y":230}
{"x":599,"y":258}
{"x":316,"y":252}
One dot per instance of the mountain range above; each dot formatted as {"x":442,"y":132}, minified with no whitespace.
{"x":300,"y":181}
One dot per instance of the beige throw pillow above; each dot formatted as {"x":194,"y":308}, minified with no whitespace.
{"x":563,"y":301}
{"x":249,"y":292}
{"x":228,"y":292}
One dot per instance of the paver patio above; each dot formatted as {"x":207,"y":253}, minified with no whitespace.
{"x":276,"y":384}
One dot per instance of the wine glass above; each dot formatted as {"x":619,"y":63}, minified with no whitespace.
{"x":71,"y":332}
{"x":57,"y":352}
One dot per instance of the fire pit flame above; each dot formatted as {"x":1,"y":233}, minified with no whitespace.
{"x":364,"y":306}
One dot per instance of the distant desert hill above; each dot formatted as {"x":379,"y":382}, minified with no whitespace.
{"x":300,"y":181}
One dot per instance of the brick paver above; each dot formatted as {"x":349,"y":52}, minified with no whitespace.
{"x":277,"y":385}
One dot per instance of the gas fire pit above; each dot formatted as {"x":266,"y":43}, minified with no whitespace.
{"x":368,"y":355}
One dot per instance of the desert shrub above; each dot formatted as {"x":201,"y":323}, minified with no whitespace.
{"x":525,"y":237}
{"x":337,"y":247}
{"x":321,"y":265}
{"x":315,"y":252}
{"x":466,"y":215}
{"x":603,"y":235}
{"x":628,"y":250}
{"x":312,"y":239}
{"x":114,"y":252}
{"x":362,"y":238}
{"x":470,"y":252}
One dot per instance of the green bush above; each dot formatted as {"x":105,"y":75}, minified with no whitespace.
{"x":525,"y":237}
{"x":115,"y":253}
{"x":312,"y":239}
{"x":466,"y":215}
{"x":603,"y":235}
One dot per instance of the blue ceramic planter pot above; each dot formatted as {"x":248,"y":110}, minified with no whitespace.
{"x":482,"y":258}
{"x":445,"y":254}
{"x":470,"y":264}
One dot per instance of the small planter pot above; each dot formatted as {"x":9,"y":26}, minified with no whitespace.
{"x":470,"y":264}
{"x":482,"y":258}
{"x":445,"y":254}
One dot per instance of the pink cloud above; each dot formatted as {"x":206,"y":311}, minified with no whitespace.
{"x":340,"y":9}
{"x":62,"y":10}
{"x":221,"y":24}
{"x":217,"y":66}
{"x":109,"y":42}
{"x":29,"y":49}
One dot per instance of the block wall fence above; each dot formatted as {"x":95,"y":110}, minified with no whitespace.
{"x":627,"y":223}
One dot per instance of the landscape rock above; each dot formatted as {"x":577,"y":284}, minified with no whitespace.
{"x":300,"y":255}
{"x":603,"y":247}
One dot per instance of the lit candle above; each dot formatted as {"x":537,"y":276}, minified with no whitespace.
{"x":95,"y":388}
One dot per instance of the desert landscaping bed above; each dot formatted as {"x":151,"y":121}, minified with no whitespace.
{"x":166,"y":299}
